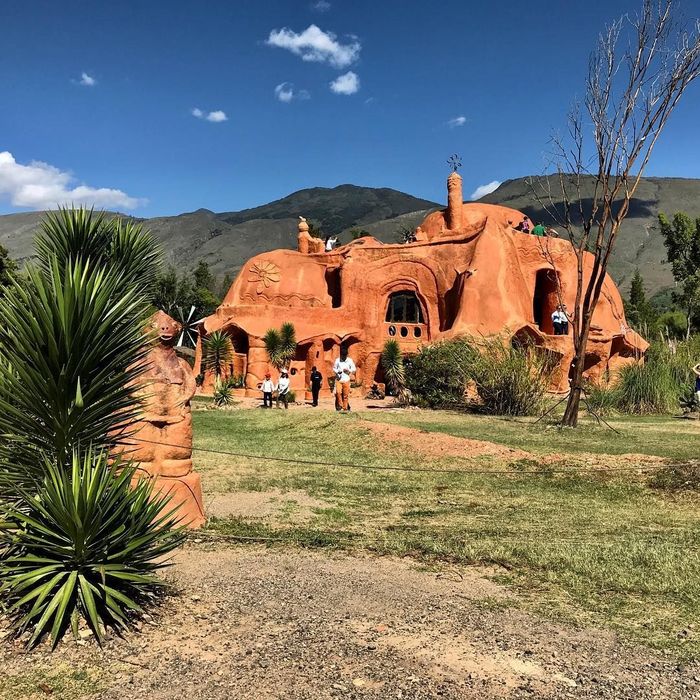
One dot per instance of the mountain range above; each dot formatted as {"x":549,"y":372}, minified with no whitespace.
{"x":226,"y":240}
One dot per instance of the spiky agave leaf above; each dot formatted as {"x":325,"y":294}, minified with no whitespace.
{"x":86,"y":544}
{"x":74,"y":350}
{"x":392,"y":364}
{"x":217,"y":352}
{"x":281,"y":345}
{"x":71,"y":234}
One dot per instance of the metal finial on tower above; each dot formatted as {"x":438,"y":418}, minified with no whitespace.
{"x":455,"y":162}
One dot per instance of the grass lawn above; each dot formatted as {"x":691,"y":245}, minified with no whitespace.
{"x":604,"y":548}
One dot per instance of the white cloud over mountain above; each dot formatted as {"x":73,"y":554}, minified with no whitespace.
{"x":39,"y":185}
{"x":313,"y":44}
{"x":346,"y":84}
{"x":483,"y":190}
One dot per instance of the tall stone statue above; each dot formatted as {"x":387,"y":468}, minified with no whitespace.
{"x":162,"y":443}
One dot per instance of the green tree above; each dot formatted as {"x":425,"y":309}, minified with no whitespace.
{"x":405,"y":234}
{"x":315,"y":228}
{"x":281,"y":345}
{"x":682,"y":240}
{"x":356,"y":233}
{"x":225,"y":285}
{"x":640,"y":312}
{"x":202,"y":277}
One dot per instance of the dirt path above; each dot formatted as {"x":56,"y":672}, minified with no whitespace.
{"x":437,"y":444}
{"x":284,"y":623}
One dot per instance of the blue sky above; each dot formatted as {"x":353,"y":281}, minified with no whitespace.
{"x":99,"y":98}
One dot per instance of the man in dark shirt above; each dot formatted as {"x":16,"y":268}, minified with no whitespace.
{"x":316,"y":384}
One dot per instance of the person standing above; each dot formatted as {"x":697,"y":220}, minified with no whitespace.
{"x":283,"y":389}
{"x":564,"y":319}
{"x":539,"y":230}
{"x":696,"y":369}
{"x":316,"y":380}
{"x":267,"y":387}
{"x":556,"y":321}
{"x":344,"y":369}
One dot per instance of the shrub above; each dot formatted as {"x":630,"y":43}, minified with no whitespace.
{"x":511,"y":380}
{"x":86,"y":544}
{"x":438,"y":374}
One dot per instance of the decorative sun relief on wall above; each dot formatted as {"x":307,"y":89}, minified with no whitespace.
{"x":265,"y":273}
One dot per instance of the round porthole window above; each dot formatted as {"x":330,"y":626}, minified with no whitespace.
{"x":404,"y":331}
{"x":417,"y":332}
{"x":392,"y":330}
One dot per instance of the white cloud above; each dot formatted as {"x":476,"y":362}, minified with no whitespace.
{"x":216,"y":116}
{"x":39,"y":185}
{"x":286,"y":92}
{"x":313,"y":44}
{"x":321,"y":6}
{"x":483,"y":190}
{"x":457,"y":121}
{"x":87,"y":80}
{"x":346,"y":84}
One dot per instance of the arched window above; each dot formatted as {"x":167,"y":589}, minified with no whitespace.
{"x":404,"y":307}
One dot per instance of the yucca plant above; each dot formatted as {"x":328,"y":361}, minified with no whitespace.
{"x":223,"y":393}
{"x":217,"y":353}
{"x":106,"y":241}
{"x":85,"y":545}
{"x":73,"y":343}
{"x":281,"y":345}
{"x":394,"y":373}
{"x":74,"y":538}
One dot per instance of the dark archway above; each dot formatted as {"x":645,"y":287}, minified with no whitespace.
{"x":545,"y":300}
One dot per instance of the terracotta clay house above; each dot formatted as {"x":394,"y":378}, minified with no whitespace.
{"x":469,"y":272}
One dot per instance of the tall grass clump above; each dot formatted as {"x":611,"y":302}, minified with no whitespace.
{"x":657,"y":385}
{"x":511,"y":379}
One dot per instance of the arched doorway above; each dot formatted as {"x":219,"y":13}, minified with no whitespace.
{"x":545,"y":299}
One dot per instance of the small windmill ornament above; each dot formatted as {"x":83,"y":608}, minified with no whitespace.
{"x":455,"y":162}
{"x":188,"y":336}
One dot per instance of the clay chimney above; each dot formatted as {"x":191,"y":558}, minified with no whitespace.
{"x":454,"y":202}
{"x":303,"y":236}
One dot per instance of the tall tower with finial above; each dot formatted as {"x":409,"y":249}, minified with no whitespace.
{"x":454,"y":194}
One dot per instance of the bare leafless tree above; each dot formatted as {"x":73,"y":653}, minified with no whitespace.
{"x":637,"y":75}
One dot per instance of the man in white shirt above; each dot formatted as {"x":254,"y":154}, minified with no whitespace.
{"x":283,"y":389}
{"x":267,"y":387}
{"x":344,"y":369}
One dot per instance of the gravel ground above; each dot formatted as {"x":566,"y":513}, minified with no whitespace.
{"x":285,"y":623}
